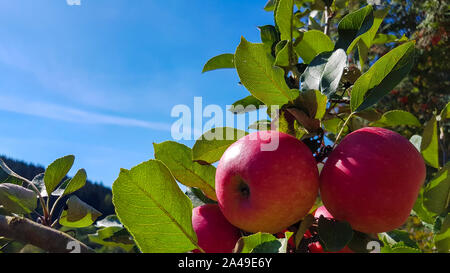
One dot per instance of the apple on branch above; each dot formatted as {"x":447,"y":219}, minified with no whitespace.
{"x":372,"y":180}
{"x":214,"y":233}
{"x":266,"y":191}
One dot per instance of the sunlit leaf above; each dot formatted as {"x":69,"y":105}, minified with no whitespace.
{"x":56,"y":171}
{"x":179,"y":159}
{"x":210,"y":147}
{"x":78,"y":214}
{"x":17,"y":199}
{"x":430,"y":143}
{"x":382,"y":77}
{"x":219,"y":62}
{"x":152,"y":207}
{"x":257,"y":73}
{"x":312,"y":44}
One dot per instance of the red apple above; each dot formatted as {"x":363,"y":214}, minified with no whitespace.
{"x":316,"y":247}
{"x":372,"y":180}
{"x":266,"y":190}
{"x":215,"y":234}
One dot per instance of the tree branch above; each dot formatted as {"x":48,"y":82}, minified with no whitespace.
{"x":51,"y":240}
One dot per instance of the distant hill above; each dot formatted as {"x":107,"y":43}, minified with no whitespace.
{"x":94,"y":194}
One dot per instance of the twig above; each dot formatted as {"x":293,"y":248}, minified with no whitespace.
{"x":27,"y":231}
{"x":342,"y":129}
{"x":328,"y":15}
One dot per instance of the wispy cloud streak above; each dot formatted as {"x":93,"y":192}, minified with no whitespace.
{"x":69,"y":114}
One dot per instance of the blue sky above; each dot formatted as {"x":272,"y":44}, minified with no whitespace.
{"x":99,"y":80}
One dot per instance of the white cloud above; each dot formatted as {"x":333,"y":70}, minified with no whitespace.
{"x":68,"y":114}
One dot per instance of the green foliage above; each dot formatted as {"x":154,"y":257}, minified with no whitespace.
{"x":311,"y":44}
{"x":259,"y":243}
{"x":178,"y":158}
{"x":396,"y":118}
{"x":429,"y":146}
{"x":335,"y":235}
{"x":382,"y":77}
{"x":78,"y":214}
{"x":436,"y":195}
{"x":323,"y":90}
{"x":284,"y":17}
{"x":154,"y":210}
{"x":246,"y":104}
{"x":73,"y":184}
{"x":263,"y":80}
{"x":442,"y":238}
{"x":17,"y":199}
{"x":219,"y":62}
{"x":56,"y":171}
{"x":324,"y":72}
{"x":354,"y":25}
{"x":212,"y":144}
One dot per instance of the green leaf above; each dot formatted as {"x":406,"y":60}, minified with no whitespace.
{"x":154,"y":210}
{"x":382,"y":77}
{"x":219,"y":62}
{"x":269,"y":35}
{"x":368,"y":37}
{"x":430,"y":143}
{"x":436,"y":196}
{"x":56,"y":171}
{"x":354,"y":25}
{"x":381,"y":39}
{"x":403,"y":236}
{"x":114,"y":237}
{"x":17,"y":199}
{"x":246,"y":105}
{"x":445,"y":113}
{"x":259,"y":243}
{"x":333,"y":125}
{"x":419,"y":209}
{"x":398,"y":245}
{"x":313,"y":102}
{"x":264,"y":81}
{"x":335,"y":235}
{"x":402,"y":249}
{"x":178,"y":158}
{"x":72,"y":185}
{"x":312,"y":44}
{"x":270,"y":5}
{"x":324,"y":72}
{"x":78,"y":214}
{"x":442,"y":239}
{"x":283,"y":58}
{"x":396,"y":118}
{"x":197,"y":197}
{"x":366,"y":40}
{"x":284,"y":18}
{"x":288,"y":124}
{"x":309,"y":124}
{"x":210,"y":147}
